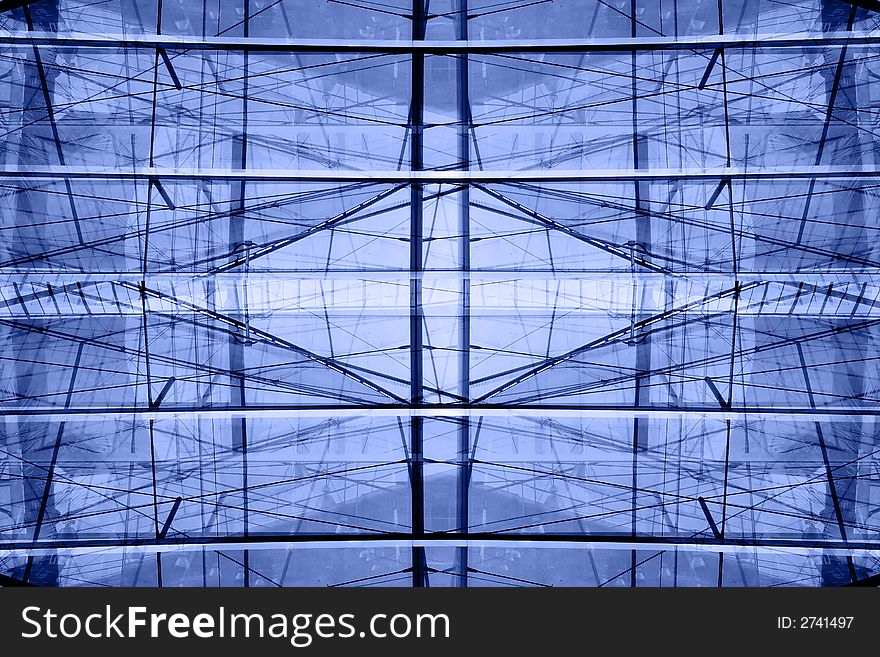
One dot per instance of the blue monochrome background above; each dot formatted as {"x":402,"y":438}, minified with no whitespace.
{"x":447,"y":293}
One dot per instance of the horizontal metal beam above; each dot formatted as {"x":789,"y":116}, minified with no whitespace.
{"x":178,"y":412}
{"x":428,"y":177}
{"x":613,"y":294}
{"x":441,"y":47}
{"x":818,"y":276}
{"x":472,"y":540}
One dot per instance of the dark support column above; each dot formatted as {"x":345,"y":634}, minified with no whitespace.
{"x":417,"y":111}
{"x":237,"y":344}
{"x":145,"y":266}
{"x":643,"y":347}
{"x":640,"y":248}
{"x":237,"y":243}
{"x":464,"y":130}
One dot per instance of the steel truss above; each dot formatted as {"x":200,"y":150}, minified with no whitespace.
{"x":474,"y":294}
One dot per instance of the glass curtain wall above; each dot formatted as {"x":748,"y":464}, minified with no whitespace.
{"x":448,"y":293}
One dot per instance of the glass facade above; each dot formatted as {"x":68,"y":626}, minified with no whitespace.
{"x":447,"y":293}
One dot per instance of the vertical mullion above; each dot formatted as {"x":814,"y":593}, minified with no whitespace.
{"x":642,"y":243}
{"x":464,"y":131}
{"x":236,"y":346}
{"x":417,"y":111}
{"x":144,"y":294}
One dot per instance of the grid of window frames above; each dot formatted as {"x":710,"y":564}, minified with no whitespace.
{"x":447,"y":293}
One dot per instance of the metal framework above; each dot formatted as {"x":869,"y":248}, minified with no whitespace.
{"x":447,"y":293}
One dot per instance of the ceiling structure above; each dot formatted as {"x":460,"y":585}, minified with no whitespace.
{"x":447,"y":293}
